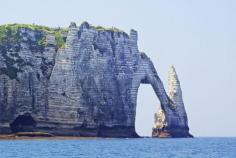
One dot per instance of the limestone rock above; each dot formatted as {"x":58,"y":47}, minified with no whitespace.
{"x":161,"y":128}
{"x":160,"y":119}
{"x":74,"y":81}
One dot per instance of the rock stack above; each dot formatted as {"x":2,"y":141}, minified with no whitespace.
{"x":160,"y":128}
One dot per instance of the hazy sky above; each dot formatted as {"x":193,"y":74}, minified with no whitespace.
{"x":198,"y":37}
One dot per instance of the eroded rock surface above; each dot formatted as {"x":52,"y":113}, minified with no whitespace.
{"x":161,"y":128}
{"x":75,"y":81}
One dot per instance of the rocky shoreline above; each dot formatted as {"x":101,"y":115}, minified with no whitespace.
{"x":39,"y":136}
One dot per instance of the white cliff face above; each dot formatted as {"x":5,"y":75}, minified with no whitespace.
{"x":174,"y":91}
{"x":175,"y":95}
{"x":88,"y":87}
{"x":159,"y":119}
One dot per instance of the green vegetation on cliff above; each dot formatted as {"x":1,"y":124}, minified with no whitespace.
{"x":13,"y":36}
{"x":113,"y":29}
{"x":59,"y":39}
{"x":100,"y":28}
{"x":27,"y":26}
{"x":9,"y":33}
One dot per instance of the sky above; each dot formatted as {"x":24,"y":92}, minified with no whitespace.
{"x":198,"y":37}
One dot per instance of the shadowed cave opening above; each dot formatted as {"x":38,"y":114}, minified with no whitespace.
{"x":147,"y":105}
{"x":23,"y":123}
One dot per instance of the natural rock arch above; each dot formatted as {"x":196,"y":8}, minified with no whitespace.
{"x":146,"y":74}
{"x":147,"y":104}
{"x":86,"y":87}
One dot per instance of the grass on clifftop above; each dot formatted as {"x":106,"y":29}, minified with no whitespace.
{"x":59,"y":39}
{"x":100,"y":28}
{"x":113,"y":29}
{"x":10,"y":33}
{"x":11,"y":38}
{"x":12,"y":29}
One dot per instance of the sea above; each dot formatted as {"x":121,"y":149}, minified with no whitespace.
{"x":120,"y":148}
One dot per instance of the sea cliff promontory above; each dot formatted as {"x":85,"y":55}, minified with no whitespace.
{"x":76,"y":81}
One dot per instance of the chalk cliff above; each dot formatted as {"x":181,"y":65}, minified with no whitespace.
{"x":75,"y":81}
{"x":175,"y":95}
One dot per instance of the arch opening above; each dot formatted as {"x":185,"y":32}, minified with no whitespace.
{"x":146,"y":106}
{"x":23,"y":123}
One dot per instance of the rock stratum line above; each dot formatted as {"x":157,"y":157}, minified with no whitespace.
{"x":77,"y":81}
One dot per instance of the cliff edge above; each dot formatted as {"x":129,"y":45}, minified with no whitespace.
{"x":80,"y":81}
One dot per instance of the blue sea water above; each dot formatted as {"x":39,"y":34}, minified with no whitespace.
{"x":124,"y":148}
